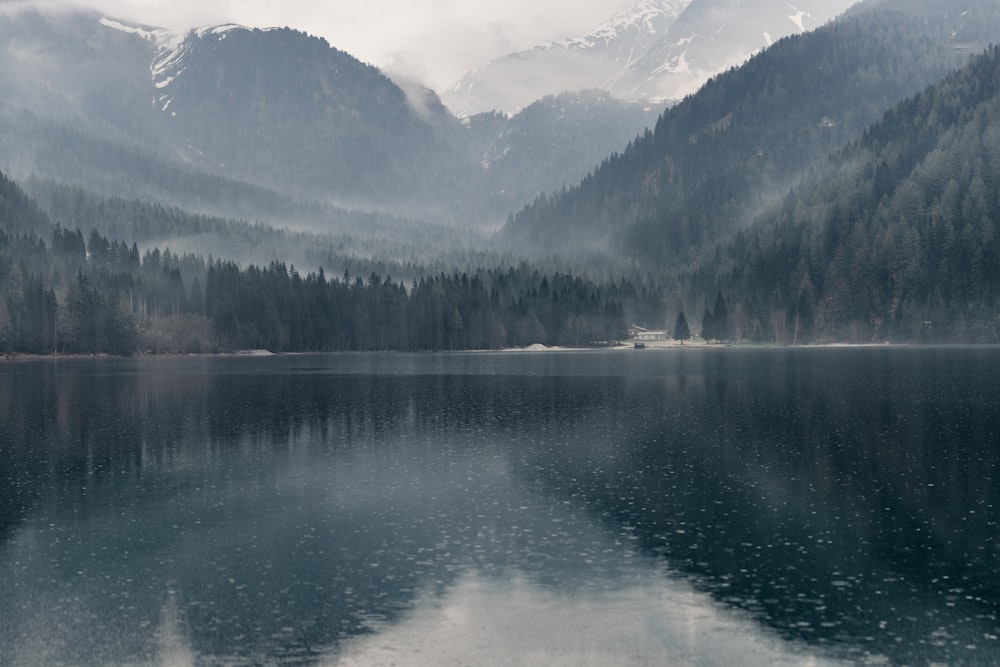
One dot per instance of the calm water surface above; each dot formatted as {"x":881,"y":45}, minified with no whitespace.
{"x":678,"y":507}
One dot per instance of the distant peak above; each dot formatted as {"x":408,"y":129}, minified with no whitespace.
{"x":644,"y":15}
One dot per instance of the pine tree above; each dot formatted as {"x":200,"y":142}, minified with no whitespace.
{"x":708,"y":328}
{"x":720,"y":319}
{"x":681,"y":330}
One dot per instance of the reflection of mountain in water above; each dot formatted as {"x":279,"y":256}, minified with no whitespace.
{"x":839,"y":496}
{"x":843,"y":498}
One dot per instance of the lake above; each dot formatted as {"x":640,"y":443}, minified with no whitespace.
{"x":643,"y":507}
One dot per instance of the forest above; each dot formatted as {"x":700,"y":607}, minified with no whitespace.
{"x":86,"y":294}
{"x":894,"y":240}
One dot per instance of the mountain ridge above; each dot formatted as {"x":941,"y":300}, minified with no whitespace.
{"x":716,"y":159}
{"x":578,"y":62}
{"x":276,"y":109}
{"x":655,"y":51}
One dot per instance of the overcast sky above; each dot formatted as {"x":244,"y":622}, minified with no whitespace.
{"x":435,"y":41}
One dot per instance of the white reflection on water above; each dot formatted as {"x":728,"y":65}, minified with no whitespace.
{"x":173,"y":647}
{"x":513,"y":622}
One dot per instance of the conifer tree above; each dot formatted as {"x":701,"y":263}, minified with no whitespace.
{"x":681,"y":330}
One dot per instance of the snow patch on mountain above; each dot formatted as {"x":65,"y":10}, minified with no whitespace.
{"x":173,"y":48}
{"x":678,"y":65}
{"x":594,"y":60}
{"x":161,"y":37}
{"x":712,"y":36}
{"x":644,"y":19}
{"x":652,"y":50}
{"x":149,"y":35}
{"x":170,"y":61}
{"x":167,"y":64}
{"x":166,"y":67}
{"x":798,"y":18}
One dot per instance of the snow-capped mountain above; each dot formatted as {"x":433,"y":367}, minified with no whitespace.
{"x":217,"y":117}
{"x":652,"y":50}
{"x":274,"y":108}
{"x":587,"y":62}
{"x":712,"y":36}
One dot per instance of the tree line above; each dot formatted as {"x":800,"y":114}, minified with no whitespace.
{"x":278,"y":309}
{"x":90,"y":294}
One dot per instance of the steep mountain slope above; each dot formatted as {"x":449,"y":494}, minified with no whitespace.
{"x":711,"y":36}
{"x":64,"y":69}
{"x":555,"y":141}
{"x":897,"y":240}
{"x":719,"y":157}
{"x":281,"y":109}
{"x":275,"y":108}
{"x":591,"y":61}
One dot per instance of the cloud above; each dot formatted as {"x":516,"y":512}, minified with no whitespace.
{"x":434,"y":40}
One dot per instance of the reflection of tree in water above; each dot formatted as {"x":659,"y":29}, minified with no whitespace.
{"x":28,"y":408}
{"x":826,"y":492}
{"x":832,"y":489}
{"x":60,"y":427}
{"x":196,"y":465}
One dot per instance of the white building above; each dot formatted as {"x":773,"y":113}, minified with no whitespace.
{"x":640,"y":334}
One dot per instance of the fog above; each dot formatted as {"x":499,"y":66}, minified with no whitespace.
{"x":434,"y":42}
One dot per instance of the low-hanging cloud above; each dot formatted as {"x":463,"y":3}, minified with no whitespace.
{"x":436,"y":41}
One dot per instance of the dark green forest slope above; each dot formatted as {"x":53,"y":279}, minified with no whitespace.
{"x":722,"y":155}
{"x":897,"y":240}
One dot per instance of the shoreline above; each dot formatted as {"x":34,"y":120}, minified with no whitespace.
{"x":533,"y":349}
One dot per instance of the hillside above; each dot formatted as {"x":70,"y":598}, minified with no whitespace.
{"x":722,"y":155}
{"x":554,"y":141}
{"x":283,"y":110}
{"x":896,"y":240}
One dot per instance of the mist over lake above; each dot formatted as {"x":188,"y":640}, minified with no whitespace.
{"x":680,"y":506}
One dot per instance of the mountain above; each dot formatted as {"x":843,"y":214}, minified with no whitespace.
{"x":271,"y":108}
{"x":262,"y":124}
{"x":711,"y":36}
{"x":724,"y":154}
{"x":65,"y":69}
{"x":591,"y":61}
{"x":281,"y":109}
{"x":894,"y":240}
{"x":650,"y":51}
{"x":555,"y":141}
